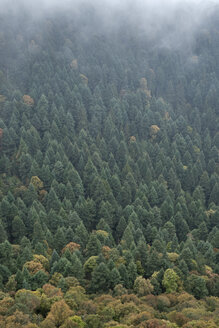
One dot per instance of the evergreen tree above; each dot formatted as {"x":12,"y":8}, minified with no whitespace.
{"x":93,"y":247}
{"x":53,"y":201}
{"x":100,"y":278}
{"x":38,"y":235}
{"x":115,"y":278}
{"x":18,"y":229}
{"x":81,"y":235}
{"x":60,"y":241}
{"x":197,"y":286}
{"x":3,"y":235}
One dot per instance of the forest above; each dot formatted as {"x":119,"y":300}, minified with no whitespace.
{"x":109,"y":172}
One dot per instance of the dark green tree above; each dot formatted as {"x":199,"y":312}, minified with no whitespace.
{"x":100,"y":281}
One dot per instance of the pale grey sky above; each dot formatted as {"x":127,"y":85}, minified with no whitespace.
{"x":182,"y":18}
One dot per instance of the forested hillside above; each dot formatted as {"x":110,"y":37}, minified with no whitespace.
{"x":109,"y":173}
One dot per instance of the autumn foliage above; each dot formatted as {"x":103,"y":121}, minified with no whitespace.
{"x":71,"y":247}
{"x":28,"y":100}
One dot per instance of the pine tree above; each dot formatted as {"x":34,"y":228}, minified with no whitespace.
{"x":38,"y":235}
{"x":115,"y":278}
{"x":214,"y":196}
{"x":81,"y":235}
{"x":77,"y":269}
{"x":93,"y":247}
{"x":197,"y":286}
{"x":53,"y":201}
{"x":100,"y":278}
{"x":60,"y":241}
{"x":18,"y":229}
{"x":132,"y":274}
{"x":3,"y":235}
{"x":124,"y":275}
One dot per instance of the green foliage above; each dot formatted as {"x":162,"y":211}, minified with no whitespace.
{"x":171,"y":281}
{"x":109,"y":173}
{"x":142,"y":286}
{"x":197,"y":286}
{"x":100,"y":278}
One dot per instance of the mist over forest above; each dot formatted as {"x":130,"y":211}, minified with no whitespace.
{"x":109,"y":164}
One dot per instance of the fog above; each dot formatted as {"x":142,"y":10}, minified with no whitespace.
{"x":171,"y":22}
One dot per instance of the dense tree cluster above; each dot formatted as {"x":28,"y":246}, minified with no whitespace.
{"x":109,"y":177}
{"x":69,"y":306}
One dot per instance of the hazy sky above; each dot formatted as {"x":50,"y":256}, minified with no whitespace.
{"x":112,"y":4}
{"x":145,"y":8}
{"x":177,"y":19}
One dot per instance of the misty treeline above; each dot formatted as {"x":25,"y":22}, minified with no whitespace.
{"x":109,"y":172}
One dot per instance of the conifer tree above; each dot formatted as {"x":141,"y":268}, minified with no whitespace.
{"x":18,"y":229}
{"x":93,"y":247}
{"x":100,"y":278}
